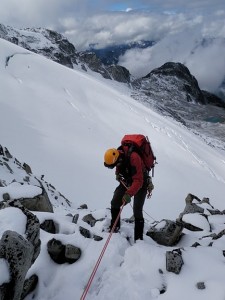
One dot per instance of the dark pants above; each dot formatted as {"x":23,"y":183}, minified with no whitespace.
{"x":138,"y":204}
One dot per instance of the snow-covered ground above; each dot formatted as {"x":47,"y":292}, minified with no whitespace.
{"x":61,"y":121}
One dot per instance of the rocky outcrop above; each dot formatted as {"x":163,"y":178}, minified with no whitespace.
{"x":19,"y":252}
{"x":119,"y":73}
{"x":213,"y":99}
{"x":166,"y":232}
{"x":42,"y":41}
{"x":173,"y":91}
{"x":94,"y":63}
{"x":171,"y":81}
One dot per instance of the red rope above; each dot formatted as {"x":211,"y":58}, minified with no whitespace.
{"x":101,"y":255}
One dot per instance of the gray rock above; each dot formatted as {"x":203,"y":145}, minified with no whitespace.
{"x":29,"y":285}
{"x":200,"y":285}
{"x":83,"y":206}
{"x":75,"y":218}
{"x":166,"y":232}
{"x":32,"y":227}
{"x":72,"y":253}
{"x":85,"y":232}
{"x":174,"y":261}
{"x":56,"y":251}
{"x":38,"y":203}
{"x":89,"y":219}
{"x":61,"y":254}
{"x":97,"y":238}
{"x":27,"y":168}
{"x":49,"y":226}
{"x":19,"y":254}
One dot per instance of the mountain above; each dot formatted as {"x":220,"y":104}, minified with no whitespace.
{"x":169,"y":90}
{"x":60,"y":121}
{"x":57,"y":48}
{"x":172,"y":90}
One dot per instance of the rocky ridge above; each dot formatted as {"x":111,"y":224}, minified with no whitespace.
{"x":57,"y":48}
{"x":173,"y":91}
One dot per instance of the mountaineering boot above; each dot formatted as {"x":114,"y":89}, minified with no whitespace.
{"x":114,"y":214}
{"x":138,"y":229}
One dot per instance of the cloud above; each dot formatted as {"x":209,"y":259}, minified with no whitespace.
{"x":175,"y":25}
{"x":124,"y":27}
{"x":86,"y":22}
{"x":204,"y":56}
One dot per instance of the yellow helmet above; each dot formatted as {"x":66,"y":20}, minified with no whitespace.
{"x":110,"y":158}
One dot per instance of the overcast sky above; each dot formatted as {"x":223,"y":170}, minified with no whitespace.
{"x":108,"y":21}
{"x":174,"y":23}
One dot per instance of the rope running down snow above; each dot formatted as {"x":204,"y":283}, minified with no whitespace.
{"x":101,"y":255}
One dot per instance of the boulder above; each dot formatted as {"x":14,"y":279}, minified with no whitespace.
{"x":89,"y":219}
{"x":19,"y":251}
{"x":174,"y":261}
{"x":61,"y":254}
{"x":166,"y":232}
{"x":19,"y":254}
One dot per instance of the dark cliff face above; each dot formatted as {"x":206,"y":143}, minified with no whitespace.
{"x":173,"y":91}
{"x":172,"y":80}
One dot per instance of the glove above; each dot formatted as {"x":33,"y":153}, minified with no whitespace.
{"x":150,"y":187}
{"x":118,"y":177}
{"x":126,"y":198}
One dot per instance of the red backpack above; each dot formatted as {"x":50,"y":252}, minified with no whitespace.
{"x":140,"y":144}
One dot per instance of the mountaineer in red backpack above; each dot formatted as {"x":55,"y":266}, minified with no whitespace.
{"x":133,"y":161}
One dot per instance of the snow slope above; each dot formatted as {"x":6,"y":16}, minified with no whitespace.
{"x":61,"y":121}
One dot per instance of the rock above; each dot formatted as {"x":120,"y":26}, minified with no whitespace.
{"x":56,"y":251}
{"x":19,"y":254}
{"x":49,"y":226}
{"x":97,"y":238}
{"x":72,"y":253}
{"x":166,"y":232}
{"x":75,"y":218}
{"x":174,"y":261}
{"x":200,"y":285}
{"x":6,"y":196}
{"x":85,"y":232}
{"x":83,"y":206}
{"x":196,"y":222}
{"x":38,"y":203}
{"x":27,"y":168}
{"x":61,"y":254}
{"x":29,"y":285}
{"x":89,"y":219}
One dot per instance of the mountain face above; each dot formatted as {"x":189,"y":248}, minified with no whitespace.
{"x":171,"y":89}
{"x":57,"y":48}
